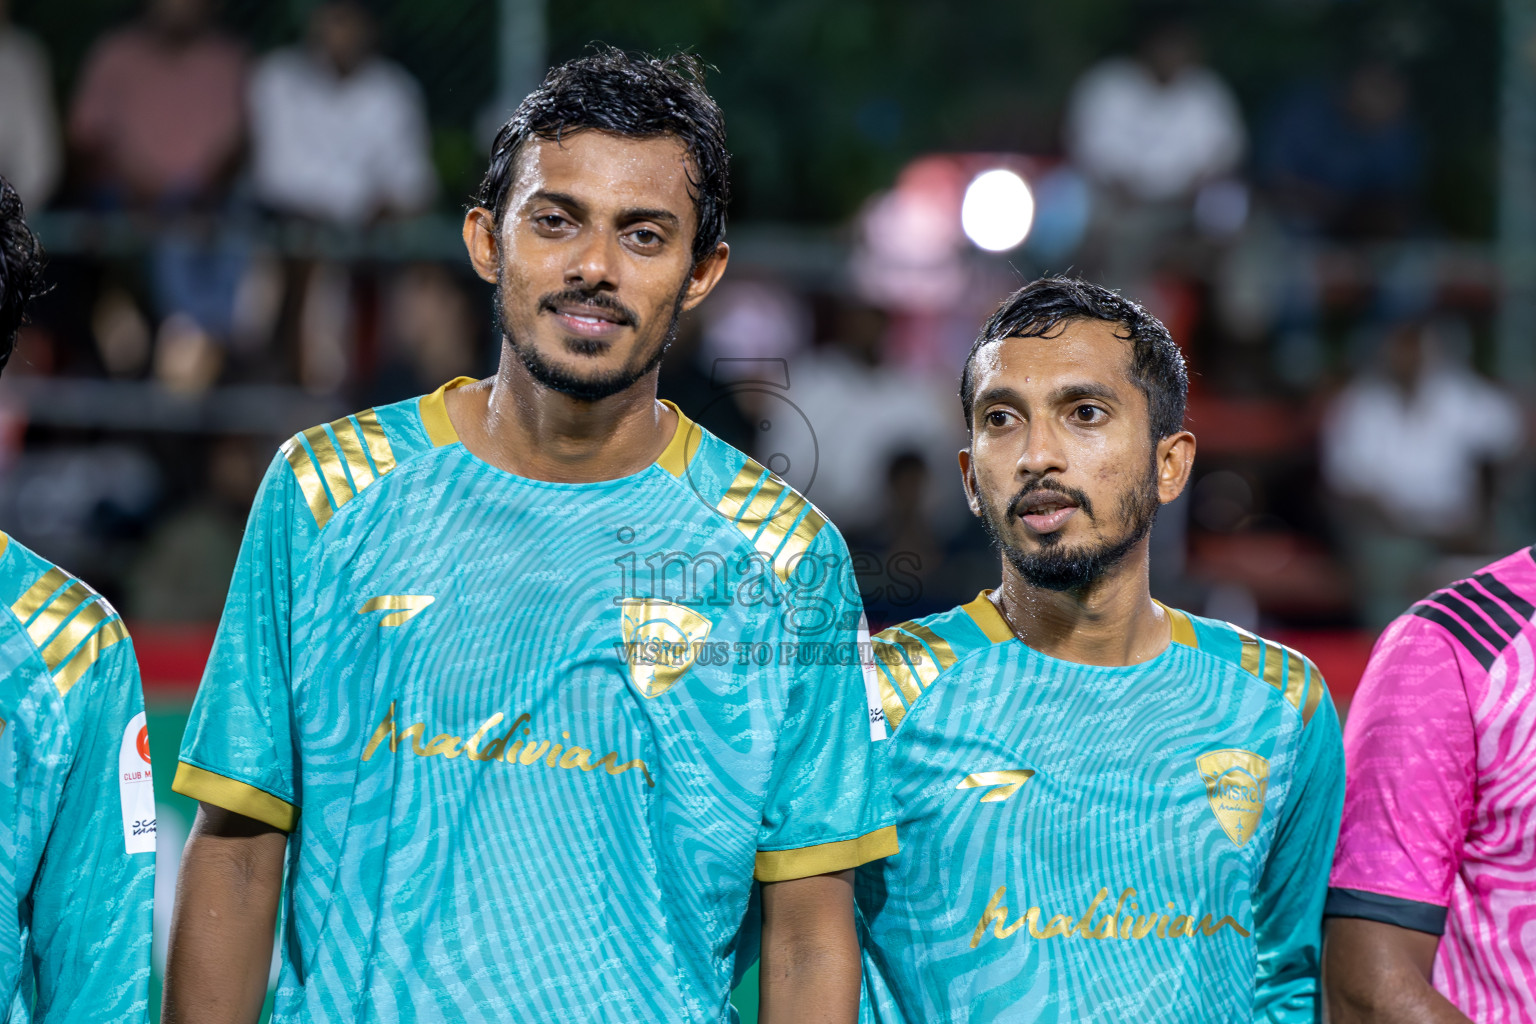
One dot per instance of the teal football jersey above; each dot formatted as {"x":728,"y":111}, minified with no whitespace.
{"x":533,"y":741}
{"x":1079,"y":842}
{"x":77,"y":802}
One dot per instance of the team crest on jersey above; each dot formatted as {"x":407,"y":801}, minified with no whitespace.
{"x":1235,"y":784}
{"x":661,"y":640}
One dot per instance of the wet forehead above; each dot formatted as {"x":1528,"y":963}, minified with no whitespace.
{"x":1079,"y":351}
{"x":608,"y":171}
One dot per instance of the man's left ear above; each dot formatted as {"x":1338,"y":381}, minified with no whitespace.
{"x":1175,"y":460}
{"x":705,"y":275}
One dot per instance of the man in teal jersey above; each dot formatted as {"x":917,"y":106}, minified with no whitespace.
{"x":1110,"y":810}
{"x":524,"y":682}
{"x":77,"y":805}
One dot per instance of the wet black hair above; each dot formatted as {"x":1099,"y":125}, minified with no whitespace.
{"x":1037,"y":309}
{"x":21,"y":269}
{"x":638,"y":96}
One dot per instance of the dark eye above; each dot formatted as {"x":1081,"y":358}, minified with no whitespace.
{"x":645,"y":238}
{"x":997,"y":418}
{"x":1088,"y":414}
{"x":550,"y":221}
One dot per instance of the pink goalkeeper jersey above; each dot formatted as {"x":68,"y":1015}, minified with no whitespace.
{"x":1439,"y":831}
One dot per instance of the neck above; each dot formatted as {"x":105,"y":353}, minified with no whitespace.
{"x":519,"y":425}
{"x":1111,"y":621}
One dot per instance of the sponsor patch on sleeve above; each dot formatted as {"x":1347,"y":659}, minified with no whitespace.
{"x":136,"y":787}
{"x":877,"y":730}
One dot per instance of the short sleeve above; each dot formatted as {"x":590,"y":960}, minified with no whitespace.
{"x":238,"y":752}
{"x":1288,"y":901}
{"x":92,"y":900}
{"x":828,"y":807}
{"x":1411,"y":752}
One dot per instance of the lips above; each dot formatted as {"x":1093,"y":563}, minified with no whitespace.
{"x":1044,"y":511}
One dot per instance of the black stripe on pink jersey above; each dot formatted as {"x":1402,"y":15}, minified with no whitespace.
{"x":1494,"y":624}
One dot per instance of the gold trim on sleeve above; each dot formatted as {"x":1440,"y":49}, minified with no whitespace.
{"x":988,"y":619}
{"x":5,"y":544}
{"x":736,"y":495}
{"x":433,"y":409}
{"x":67,"y":676}
{"x":784,"y":865}
{"x":684,"y":445}
{"x":232,"y":795}
{"x":1295,"y":679}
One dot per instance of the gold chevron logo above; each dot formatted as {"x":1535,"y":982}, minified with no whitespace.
{"x":1000,"y":785}
{"x":402,"y":608}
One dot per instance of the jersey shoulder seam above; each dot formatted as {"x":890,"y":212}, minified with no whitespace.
{"x":771,"y":517}
{"x":1291,"y":674}
{"x":911,"y":659}
{"x":68,"y":624}
{"x":333,"y":463}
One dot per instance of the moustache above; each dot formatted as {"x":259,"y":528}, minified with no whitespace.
{"x":1077,"y":497}
{"x":594,"y":299}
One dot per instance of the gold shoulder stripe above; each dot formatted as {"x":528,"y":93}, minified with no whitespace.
{"x":87,"y":654}
{"x":337,"y":461}
{"x":76,"y":630}
{"x":1286,"y":670}
{"x":684,"y":445}
{"x":309,"y":479}
{"x":434,"y":413}
{"x":56,"y":611}
{"x":986,"y":616}
{"x":1181,"y":629}
{"x":900,"y":672}
{"x":1315,"y":695}
{"x":778,"y":521}
{"x":41,"y":590}
{"x":378,"y":444}
{"x":783,"y":865}
{"x":940,"y":647}
{"x":5,"y":543}
{"x":233,"y":795}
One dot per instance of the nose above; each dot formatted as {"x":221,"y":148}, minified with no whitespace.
{"x":593,"y":261}
{"x":1043,"y":451}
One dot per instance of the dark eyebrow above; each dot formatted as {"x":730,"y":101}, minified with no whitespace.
{"x":666,"y":217}
{"x":628,"y":216}
{"x":1084,"y":389}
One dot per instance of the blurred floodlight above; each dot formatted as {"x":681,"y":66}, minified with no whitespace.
{"x":997,"y":211}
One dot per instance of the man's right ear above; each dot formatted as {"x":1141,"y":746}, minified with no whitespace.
{"x":968,"y":481}
{"x":483,"y":245}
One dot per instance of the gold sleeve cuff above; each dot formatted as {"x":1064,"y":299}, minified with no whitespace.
{"x":211,"y":788}
{"x":783,"y":865}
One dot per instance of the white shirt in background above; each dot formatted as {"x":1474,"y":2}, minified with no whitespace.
{"x":334,"y":148}
{"x":30,"y":157}
{"x":1157,"y":141}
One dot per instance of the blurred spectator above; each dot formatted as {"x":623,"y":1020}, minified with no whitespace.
{"x":1158,"y":126}
{"x":159,"y":115}
{"x":339,"y":133}
{"x":1405,"y":452}
{"x":181,"y":572}
{"x":29,"y":129}
{"x":429,"y":335}
{"x":1345,"y":162}
{"x":859,"y":413}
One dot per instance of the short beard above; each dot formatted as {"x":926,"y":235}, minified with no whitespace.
{"x":1060,"y":569}
{"x":573,"y":385}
